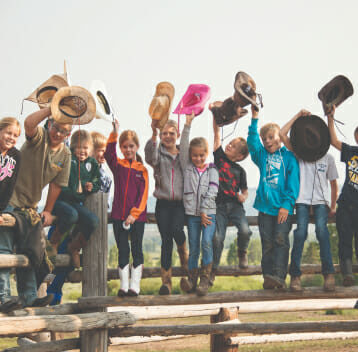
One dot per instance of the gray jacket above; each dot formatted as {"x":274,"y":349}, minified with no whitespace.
{"x":200,"y":191}
{"x":168,"y":171}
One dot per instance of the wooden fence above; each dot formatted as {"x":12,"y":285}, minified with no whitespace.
{"x":90,"y":315}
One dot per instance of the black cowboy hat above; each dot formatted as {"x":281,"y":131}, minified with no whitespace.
{"x":335,"y":92}
{"x":225,"y":112}
{"x":310,"y":138}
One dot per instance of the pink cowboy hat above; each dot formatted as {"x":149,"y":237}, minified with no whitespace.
{"x":193,"y":100}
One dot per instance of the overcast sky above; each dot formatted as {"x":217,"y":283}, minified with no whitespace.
{"x":290,"y":48}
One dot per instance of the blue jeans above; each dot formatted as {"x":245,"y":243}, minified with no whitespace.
{"x":75,"y":213}
{"x":225,"y":213}
{"x":275,"y":245}
{"x":194,"y":232}
{"x":320,"y":212}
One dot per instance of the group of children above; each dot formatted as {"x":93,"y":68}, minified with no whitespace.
{"x":206,"y":196}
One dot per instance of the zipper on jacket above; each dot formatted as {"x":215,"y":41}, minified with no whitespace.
{"x":173,"y":178}
{"x":197,"y":190}
{"x":125,"y":193}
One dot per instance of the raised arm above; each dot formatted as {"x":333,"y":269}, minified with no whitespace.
{"x":253,"y":138}
{"x":334,"y":140}
{"x":151,"y":149}
{"x":111,"y":154}
{"x":217,"y":137}
{"x":287,"y":127}
{"x":184,"y":142}
{"x":33,"y":120}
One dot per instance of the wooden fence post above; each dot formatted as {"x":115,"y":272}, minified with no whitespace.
{"x":95,"y":271}
{"x":218,"y":342}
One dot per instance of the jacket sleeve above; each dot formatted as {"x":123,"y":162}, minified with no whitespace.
{"x":208,"y":199}
{"x":69,"y":192}
{"x":151,"y":151}
{"x":96,"y":178}
{"x":184,"y":148}
{"x":292,"y":183}
{"x":142,"y":198}
{"x":111,"y":154}
{"x":254,"y":143}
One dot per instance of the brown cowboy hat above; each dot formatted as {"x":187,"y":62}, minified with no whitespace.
{"x":310,"y":138}
{"x":160,"y":105}
{"x":335,"y":92}
{"x":245,"y":90}
{"x":226,"y":112}
{"x":73,"y":105}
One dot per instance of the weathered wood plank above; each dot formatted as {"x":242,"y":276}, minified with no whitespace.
{"x":219,"y":297}
{"x":52,"y":346}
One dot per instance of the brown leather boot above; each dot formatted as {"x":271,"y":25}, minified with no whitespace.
{"x":78,"y":242}
{"x":243,"y":259}
{"x":183,"y":256}
{"x":166,"y":288}
{"x":188,"y":284}
{"x":295,"y":284}
{"x":329,"y":283}
{"x":203,"y":286}
{"x":212,"y":276}
{"x":55,"y":238}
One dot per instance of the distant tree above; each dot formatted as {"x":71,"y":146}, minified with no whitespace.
{"x":311,"y":253}
{"x":232,"y":258}
{"x":255,"y":252}
{"x":113,"y":257}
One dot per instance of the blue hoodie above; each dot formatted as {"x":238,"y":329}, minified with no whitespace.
{"x":279,"y":175}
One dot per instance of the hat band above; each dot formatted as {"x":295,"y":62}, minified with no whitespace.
{"x":104,"y":102}
{"x":46,"y":89}
{"x":73,"y":106}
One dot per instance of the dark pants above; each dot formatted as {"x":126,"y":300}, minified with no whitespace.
{"x":347,"y":228}
{"x":135,"y":232}
{"x":275,"y":245}
{"x":226,"y":213}
{"x":170,"y":217}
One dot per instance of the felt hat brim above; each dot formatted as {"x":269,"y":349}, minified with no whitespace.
{"x":335,"y":92}
{"x":73,"y":105}
{"x":245,"y":90}
{"x":159,"y":108}
{"x":45,"y":92}
{"x":310,"y":138}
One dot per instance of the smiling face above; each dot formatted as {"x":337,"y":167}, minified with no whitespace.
{"x":271,"y":140}
{"x":58,"y":132}
{"x":83,"y":150}
{"x":198,"y":156}
{"x":233,"y":150}
{"x":129,"y":149}
{"x":169,"y":136}
{"x":99,"y":154}
{"x":8,"y":137}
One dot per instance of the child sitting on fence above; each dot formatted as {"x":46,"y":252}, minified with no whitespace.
{"x":84,"y":179}
{"x":169,"y":208}
{"x":275,"y":198}
{"x":201,"y":183}
{"x":313,"y":196}
{"x":129,"y":209}
{"x":231,"y":196}
{"x":99,"y":146}
{"x":9,"y":167}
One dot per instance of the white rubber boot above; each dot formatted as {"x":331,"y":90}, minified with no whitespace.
{"x":124,"y":277}
{"x":134,"y":285}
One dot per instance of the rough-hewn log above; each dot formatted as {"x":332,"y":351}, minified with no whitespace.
{"x":305,"y":336}
{"x":218,"y":342}
{"x":19,"y":326}
{"x":133,"y":340}
{"x":66,"y":308}
{"x":252,"y":328}
{"x":19,"y":260}
{"x":95,"y":270}
{"x":53,"y":346}
{"x":219,"y":297}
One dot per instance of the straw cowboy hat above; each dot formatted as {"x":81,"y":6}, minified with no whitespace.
{"x":335,"y":92}
{"x":226,"y":112}
{"x":310,"y":138}
{"x":245,"y":90}
{"x":73,"y":105}
{"x":159,"y":108}
{"x":193,"y":100}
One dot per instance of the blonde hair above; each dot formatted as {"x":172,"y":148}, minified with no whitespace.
{"x":199,"y":142}
{"x":9,"y":121}
{"x":269,"y":127}
{"x":130,"y":135}
{"x":98,"y":140}
{"x":171,"y":123}
{"x":243,"y":149}
{"x":78,"y":137}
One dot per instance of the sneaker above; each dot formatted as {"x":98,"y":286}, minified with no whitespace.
{"x":348,"y":280}
{"x":295,"y":284}
{"x":329,"y":283}
{"x":42,"y":302}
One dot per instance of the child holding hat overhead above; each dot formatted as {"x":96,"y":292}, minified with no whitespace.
{"x":275,"y":198}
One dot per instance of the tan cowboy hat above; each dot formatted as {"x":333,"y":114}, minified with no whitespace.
{"x":245,"y":90}
{"x":335,"y":92}
{"x":73,"y":105}
{"x":159,"y":108}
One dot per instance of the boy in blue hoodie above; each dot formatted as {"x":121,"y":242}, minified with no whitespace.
{"x":275,"y":198}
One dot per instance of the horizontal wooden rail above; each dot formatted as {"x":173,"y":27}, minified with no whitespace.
{"x":218,"y":297}
{"x":17,"y":326}
{"x":251,"y":328}
{"x":53,"y":346}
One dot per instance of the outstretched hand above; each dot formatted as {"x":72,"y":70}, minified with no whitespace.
{"x":255,"y":113}
{"x":331,"y":111}
{"x":189,"y":118}
{"x":115,"y":126}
